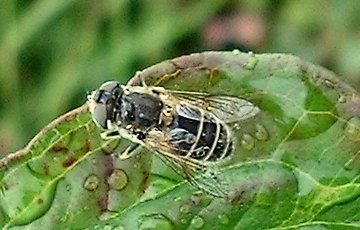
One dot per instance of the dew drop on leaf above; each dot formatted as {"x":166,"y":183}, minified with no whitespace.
{"x":183,"y":221}
{"x":107,"y":227}
{"x":251,"y":64}
{"x":195,"y":199}
{"x":68,"y":187}
{"x":261,"y":133}
{"x":223,"y":219}
{"x":352,"y":129}
{"x":185,"y":209}
{"x":91,"y":182}
{"x":136,"y":165}
{"x":236,"y":52}
{"x":237,"y":126}
{"x":342,"y":99}
{"x":107,"y":215}
{"x":329,"y":83}
{"x":118,"y":179}
{"x":64,"y":218}
{"x":198,"y":222}
{"x":154,"y":221}
{"x":247,"y":141}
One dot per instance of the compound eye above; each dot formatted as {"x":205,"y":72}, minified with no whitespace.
{"x":100,"y":115}
{"x":109,"y":86}
{"x":102,"y":97}
{"x":112,"y":87}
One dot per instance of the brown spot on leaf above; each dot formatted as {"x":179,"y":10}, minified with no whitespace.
{"x":107,"y":150}
{"x":214,"y":72}
{"x":59,"y":148}
{"x":146,"y":181}
{"x":109,"y":165}
{"x":40,"y":201}
{"x":64,"y":118}
{"x":68,"y":162}
{"x":353,"y":106}
{"x":102,"y":203}
{"x":5,"y":186}
{"x":238,"y":197}
{"x":86,"y":148}
{"x":45,"y":167}
{"x":244,"y":193}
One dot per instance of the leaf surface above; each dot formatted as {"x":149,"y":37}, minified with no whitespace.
{"x":295,"y":165}
{"x":68,"y":177}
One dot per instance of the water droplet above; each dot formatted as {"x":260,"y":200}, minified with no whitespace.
{"x":64,"y":218}
{"x":91,"y":182}
{"x":195,"y":199}
{"x":261,"y":133}
{"x":352,"y":129}
{"x":107,"y":215}
{"x":177,"y":199}
{"x":118,"y":227}
{"x":185,"y":209}
{"x":155,"y":221}
{"x":118,"y":179}
{"x":136,"y":165}
{"x":197,"y":222}
{"x":342,"y":99}
{"x":237,"y":126}
{"x":68,"y":187}
{"x":315,"y":78}
{"x":247,"y":141}
{"x":4,"y":186}
{"x":329,"y":83}
{"x":200,"y":192}
{"x":223,"y":219}
{"x":107,"y":227}
{"x":250,"y":65}
{"x":236,"y":52}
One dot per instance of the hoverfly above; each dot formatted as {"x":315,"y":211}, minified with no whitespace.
{"x":188,"y":130}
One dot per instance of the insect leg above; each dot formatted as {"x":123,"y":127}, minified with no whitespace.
{"x":110,"y":134}
{"x":139,"y":75}
{"x":129,"y":151}
{"x":179,"y":135}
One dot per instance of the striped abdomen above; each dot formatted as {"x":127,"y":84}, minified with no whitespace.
{"x":198,"y":134}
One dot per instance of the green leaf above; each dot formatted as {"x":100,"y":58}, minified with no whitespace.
{"x":68,"y":177}
{"x":295,"y":165}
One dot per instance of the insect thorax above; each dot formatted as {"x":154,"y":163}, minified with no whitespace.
{"x":140,"y":111}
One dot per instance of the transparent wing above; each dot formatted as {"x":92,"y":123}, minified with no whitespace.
{"x":198,"y":174}
{"x":227,"y":108}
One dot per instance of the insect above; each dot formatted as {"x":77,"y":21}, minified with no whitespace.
{"x":188,"y":130}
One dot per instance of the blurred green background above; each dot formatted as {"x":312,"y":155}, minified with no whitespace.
{"x":54,"y":52}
